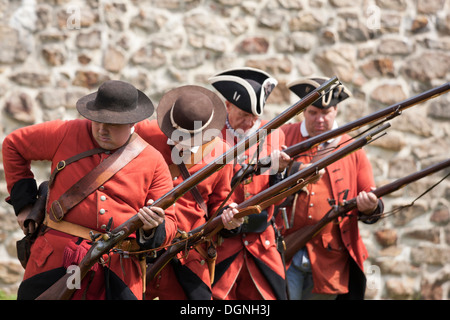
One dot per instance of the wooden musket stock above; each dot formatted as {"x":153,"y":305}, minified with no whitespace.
{"x":262,"y":200}
{"x":37,"y":213}
{"x":298,"y":239}
{"x":60,"y":290}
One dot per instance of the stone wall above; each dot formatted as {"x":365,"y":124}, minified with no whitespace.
{"x":52,"y":52}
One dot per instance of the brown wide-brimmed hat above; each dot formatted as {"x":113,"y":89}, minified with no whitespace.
{"x":302,"y":87}
{"x":185,"y":114}
{"x":116,"y":102}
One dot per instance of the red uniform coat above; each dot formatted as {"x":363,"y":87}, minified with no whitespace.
{"x":214,"y":189}
{"x":120,"y":197}
{"x":330,"y":249}
{"x":261,"y":247}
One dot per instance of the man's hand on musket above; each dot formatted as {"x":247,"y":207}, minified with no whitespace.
{"x":228,"y":219}
{"x":279,"y":160}
{"x":150,"y":216}
{"x":367,"y":202}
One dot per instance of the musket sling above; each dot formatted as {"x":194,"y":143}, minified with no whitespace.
{"x":210,"y":253}
{"x":93,"y":180}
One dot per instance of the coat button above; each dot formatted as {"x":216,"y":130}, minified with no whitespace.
{"x":102,"y":211}
{"x":103,"y":198}
{"x":267,"y":242}
{"x":246,"y":242}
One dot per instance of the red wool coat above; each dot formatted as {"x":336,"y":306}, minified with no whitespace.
{"x":330,"y":249}
{"x":120,"y":197}
{"x":214,"y":190}
{"x":246,"y":248}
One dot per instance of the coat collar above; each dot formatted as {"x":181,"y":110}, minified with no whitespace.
{"x":304,"y":131}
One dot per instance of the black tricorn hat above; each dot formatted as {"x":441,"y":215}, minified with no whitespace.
{"x":246,"y":88}
{"x":116,"y":102}
{"x":187,"y":112}
{"x":304,"y":86}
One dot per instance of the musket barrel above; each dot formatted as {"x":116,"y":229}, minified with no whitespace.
{"x":134,"y":223}
{"x":298,"y":239}
{"x":401,"y":182}
{"x":167,"y":200}
{"x":210,"y":228}
{"x":390,"y":111}
{"x":318,"y":165}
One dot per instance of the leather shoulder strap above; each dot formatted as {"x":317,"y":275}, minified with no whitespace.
{"x":92,"y":181}
{"x":63,"y":163}
{"x":194,"y":191}
{"x":183,"y":169}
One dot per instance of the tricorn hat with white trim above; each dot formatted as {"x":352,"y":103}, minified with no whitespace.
{"x":247,"y":88}
{"x":304,"y":86}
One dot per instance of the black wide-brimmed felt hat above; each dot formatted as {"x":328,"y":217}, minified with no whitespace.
{"x":303,"y":87}
{"x":188,"y":112}
{"x":247,"y":88}
{"x":116,"y":102}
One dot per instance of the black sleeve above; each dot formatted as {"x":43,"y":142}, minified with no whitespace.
{"x":23,"y":193}
{"x":275,"y":178}
{"x":155,"y":240}
{"x":378,"y":211}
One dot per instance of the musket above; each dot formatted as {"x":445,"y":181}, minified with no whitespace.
{"x":387,"y":113}
{"x":260,"y":201}
{"x":60,"y":291}
{"x":298,"y":239}
{"x":37,"y":213}
{"x":31,"y":224}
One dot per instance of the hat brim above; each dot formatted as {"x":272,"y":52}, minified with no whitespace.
{"x":212,"y":130}
{"x":238,"y":91}
{"x":246,"y":73}
{"x":303,"y":87}
{"x":144,"y":109}
{"x":246,"y":88}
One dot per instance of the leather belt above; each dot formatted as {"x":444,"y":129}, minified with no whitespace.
{"x":76,"y":230}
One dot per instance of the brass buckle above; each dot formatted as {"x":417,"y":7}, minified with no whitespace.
{"x":61,"y":165}
{"x":60,"y":216}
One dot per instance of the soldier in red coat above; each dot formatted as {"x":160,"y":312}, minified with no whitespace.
{"x":331,"y":264}
{"x":110,"y":114}
{"x":189,"y":120}
{"x":249,"y":266}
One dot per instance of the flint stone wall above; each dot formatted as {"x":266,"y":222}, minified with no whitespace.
{"x":53,"y":52}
